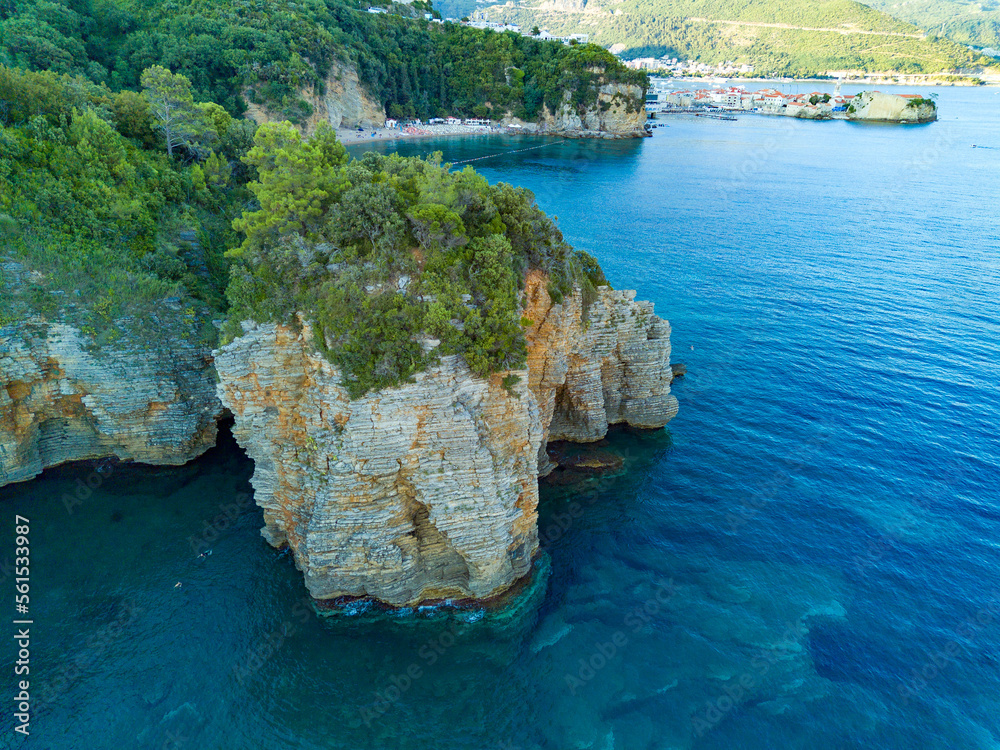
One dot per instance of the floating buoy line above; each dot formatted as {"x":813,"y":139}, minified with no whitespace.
{"x":505,"y":153}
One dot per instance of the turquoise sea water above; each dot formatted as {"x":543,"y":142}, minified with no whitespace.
{"x":806,"y":558}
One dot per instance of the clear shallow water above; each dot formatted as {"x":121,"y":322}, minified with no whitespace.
{"x":819,"y":526}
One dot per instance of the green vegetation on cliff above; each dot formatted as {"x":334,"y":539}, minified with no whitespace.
{"x":101,"y":227}
{"x":271,"y":51}
{"x":383,"y":253}
{"x":102,"y":221}
{"x":787,"y":37}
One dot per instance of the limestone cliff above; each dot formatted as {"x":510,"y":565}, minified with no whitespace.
{"x":608,"y":364}
{"x":429,"y":490}
{"x":620,"y":112}
{"x":60,"y":401}
{"x":417,"y":492}
{"x":344,"y":103}
{"x":878,"y":107}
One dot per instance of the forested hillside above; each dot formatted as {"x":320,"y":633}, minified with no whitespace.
{"x":798,"y":37}
{"x":126,"y":169}
{"x":98,"y":224}
{"x":268,"y":51}
{"x":102,"y":227}
{"x":962,"y":21}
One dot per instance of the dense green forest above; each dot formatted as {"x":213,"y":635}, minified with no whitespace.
{"x":695,"y":30}
{"x":105,"y":224}
{"x":269,"y":51}
{"x":142,"y":214}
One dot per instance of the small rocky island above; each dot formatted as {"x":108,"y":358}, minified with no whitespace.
{"x":429,"y":489}
{"x":874,"y":106}
{"x":398,"y":365}
{"x":403,"y":341}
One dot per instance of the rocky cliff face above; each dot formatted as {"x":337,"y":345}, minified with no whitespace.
{"x":344,"y":104}
{"x":425,"y":491}
{"x":879,"y":107}
{"x":60,"y":401}
{"x":620,"y":112}
{"x":594,"y":367}
{"x":429,"y":490}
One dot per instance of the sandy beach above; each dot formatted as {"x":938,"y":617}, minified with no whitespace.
{"x":353,"y":137}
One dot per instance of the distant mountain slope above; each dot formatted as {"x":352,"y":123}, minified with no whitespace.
{"x":784,"y":36}
{"x":962,"y":21}
{"x":456,"y":8}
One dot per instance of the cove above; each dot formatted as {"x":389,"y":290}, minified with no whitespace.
{"x":823,"y":511}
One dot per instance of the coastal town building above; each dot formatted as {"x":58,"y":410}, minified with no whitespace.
{"x":480,"y":21}
{"x":662,"y":96}
{"x":674,"y":66}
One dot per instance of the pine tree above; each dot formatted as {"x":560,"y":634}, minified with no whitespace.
{"x":298,"y":181}
{"x":176,"y":116}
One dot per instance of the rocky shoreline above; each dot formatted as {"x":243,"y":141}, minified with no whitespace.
{"x":423,"y":492}
{"x":429,"y":490}
{"x":62,"y":401}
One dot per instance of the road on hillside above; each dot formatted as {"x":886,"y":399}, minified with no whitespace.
{"x":808,"y":28}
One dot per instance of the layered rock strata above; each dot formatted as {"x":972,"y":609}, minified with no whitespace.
{"x":429,"y":490}
{"x":61,"y":401}
{"x":417,"y":492}
{"x":591,"y":366}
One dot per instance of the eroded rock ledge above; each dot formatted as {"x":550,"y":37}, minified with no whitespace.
{"x":61,"y":402}
{"x":619,"y":112}
{"x":429,"y":490}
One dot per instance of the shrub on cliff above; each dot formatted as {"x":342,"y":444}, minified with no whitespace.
{"x":394,"y":261}
{"x":102,"y":220}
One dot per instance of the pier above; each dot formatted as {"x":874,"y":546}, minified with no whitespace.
{"x":715,"y":114}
